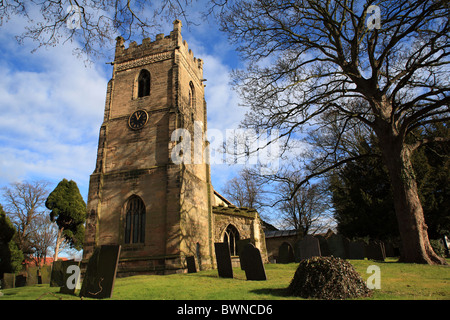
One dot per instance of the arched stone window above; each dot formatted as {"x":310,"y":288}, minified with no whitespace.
{"x":135,"y":221}
{"x":231,"y":236}
{"x":143,"y":83}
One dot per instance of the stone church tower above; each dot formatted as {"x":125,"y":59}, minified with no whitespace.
{"x":158,"y":209}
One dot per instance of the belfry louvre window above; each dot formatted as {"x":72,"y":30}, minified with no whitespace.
{"x":135,"y":221}
{"x":144,"y":83}
{"x":191,"y":95}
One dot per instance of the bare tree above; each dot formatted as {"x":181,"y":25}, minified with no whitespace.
{"x":317,"y":64}
{"x":245,"y":190}
{"x":308,"y":211}
{"x":24,"y":203}
{"x":42,"y":237}
{"x":94,"y":23}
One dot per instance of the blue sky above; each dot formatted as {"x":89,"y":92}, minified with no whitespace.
{"x":52,"y":104}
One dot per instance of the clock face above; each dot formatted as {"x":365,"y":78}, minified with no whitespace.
{"x":138,"y":119}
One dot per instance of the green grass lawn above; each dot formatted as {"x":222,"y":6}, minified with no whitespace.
{"x":398,"y":281}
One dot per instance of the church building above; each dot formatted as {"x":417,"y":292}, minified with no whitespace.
{"x":159,"y":209}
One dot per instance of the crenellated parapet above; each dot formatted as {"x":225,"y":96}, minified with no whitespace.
{"x":162,"y":48}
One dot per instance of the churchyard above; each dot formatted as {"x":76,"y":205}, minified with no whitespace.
{"x":398,"y":281}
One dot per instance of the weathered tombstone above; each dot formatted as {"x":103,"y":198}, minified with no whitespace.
{"x":100,"y":273}
{"x":308,"y":247}
{"x":324,"y":249}
{"x":190,"y":261}
{"x":21,"y":280}
{"x":71,"y":275}
{"x":240,"y":244}
{"x":9,"y":281}
{"x":223,"y":259}
{"x":356,"y":250}
{"x":375,"y":251}
{"x":254,"y":266}
{"x":285,"y":253}
{"x":57,"y":274}
{"x":338,"y":246}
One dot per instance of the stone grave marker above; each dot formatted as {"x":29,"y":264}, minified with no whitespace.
{"x":21,"y":280}
{"x":223,"y":259}
{"x":308,"y":247}
{"x":71,"y":275}
{"x":375,"y":251}
{"x":338,"y":246}
{"x":100,"y":273}
{"x":57,"y":274}
{"x":190,"y":261}
{"x":240,"y":248}
{"x":357,"y":250}
{"x":254,"y":266}
{"x":285,"y":253}
{"x":9,"y":281}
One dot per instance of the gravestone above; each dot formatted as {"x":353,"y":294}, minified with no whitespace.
{"x":190,"y":261}
{"x":308,"y":247}
{"x":375,"y":251}
{"x":254,"y":266}
{"x":9,"y":281}
{"x":100,"y":273}
{"x":223,"y":259}
{"x":57,"y":274}
{"x":21,"y":280}
{"x":240,"y":244}
{"x":70,"y":275}
{"x":324,"y":249}
{"x":285,"y":253}
{"x":356,"y":250}
{"x":338,"y":246}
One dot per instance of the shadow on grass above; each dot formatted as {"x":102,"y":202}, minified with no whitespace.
{"x":276,"y":292}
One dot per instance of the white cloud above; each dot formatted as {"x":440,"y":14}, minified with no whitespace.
{"x":51,"y":110}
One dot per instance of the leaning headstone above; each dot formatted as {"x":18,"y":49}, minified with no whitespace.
{"x":240,"y":244}
{"x":338,"y":246}
{"x":223,"y":259}
{"x":375,"y":251}
{"x":309,"y":247}
{"x":356,"y":250}
{"x":190,"y":261}
{"x":100,"y":273}
{"x":285,"y":253}
{"x":71,"y":278}
{"x":9,"y":281}
{"x":254,"y":266}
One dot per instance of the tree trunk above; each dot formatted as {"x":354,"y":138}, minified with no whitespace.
{"x":58,"y":242}
{"x":416,"y":247}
